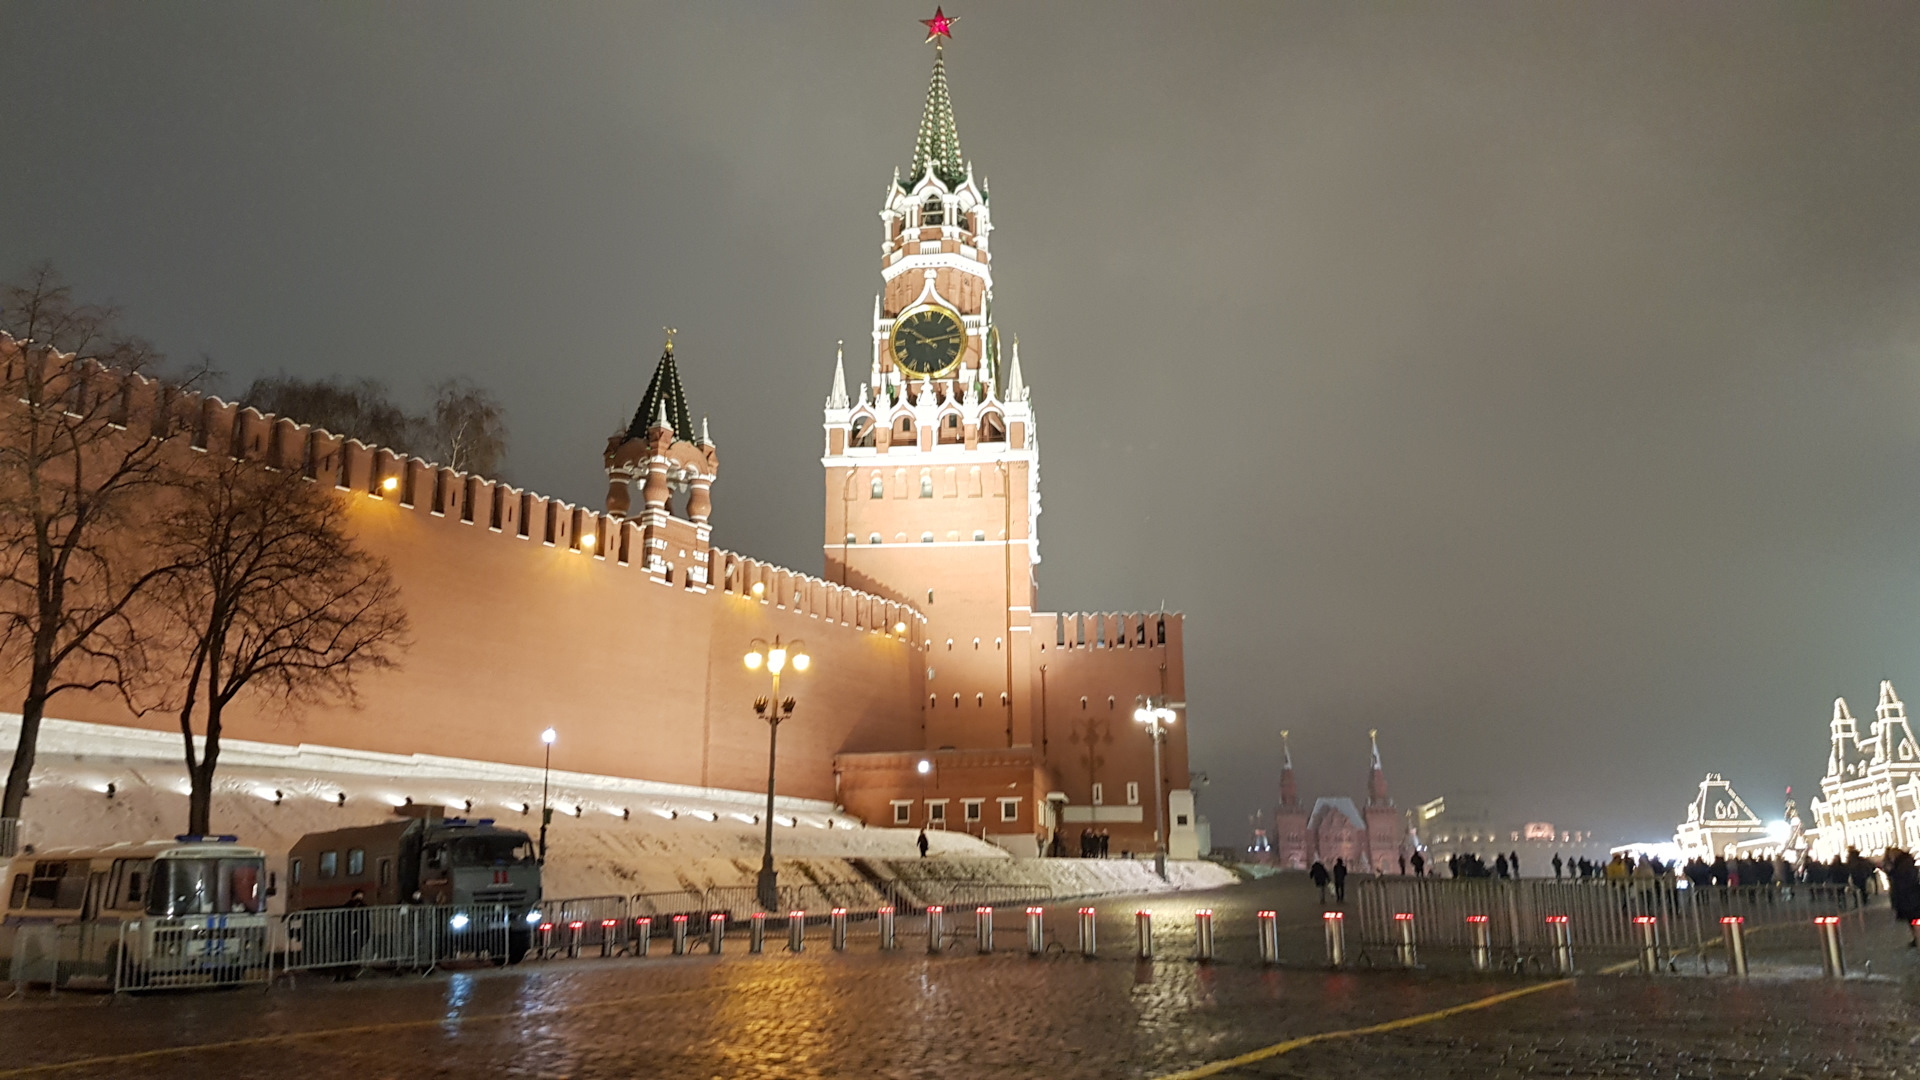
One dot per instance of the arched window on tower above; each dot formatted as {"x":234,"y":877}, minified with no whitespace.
{"x":926,"y":484}
{"x":863,"y":432}
{"x":934,"y":212}
{"x":879,"y":486}
{"x":992,"y":428}
{"x":950,"y":429}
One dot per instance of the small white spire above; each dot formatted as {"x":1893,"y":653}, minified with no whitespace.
{"x":1373,"y":736}
{"x":1286,"y":751}
{"x":663,"y":417}
{"x":837,"y":399}
{"x":926,"y":399}
{"x":704,"y":439}
{"x":1016,"y":386}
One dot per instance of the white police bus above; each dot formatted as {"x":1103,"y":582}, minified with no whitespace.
{"x":190,"y":911}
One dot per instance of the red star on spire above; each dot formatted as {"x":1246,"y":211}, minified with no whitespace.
{"x":940,"y":26}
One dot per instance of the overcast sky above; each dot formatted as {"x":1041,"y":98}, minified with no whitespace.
{"x":1535,"y":383}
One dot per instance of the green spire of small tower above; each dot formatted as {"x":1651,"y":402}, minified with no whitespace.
{"x":664,"y":395}
{"x":939,"y":138}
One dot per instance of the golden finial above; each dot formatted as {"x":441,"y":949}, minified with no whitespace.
{"x":671,"y":330}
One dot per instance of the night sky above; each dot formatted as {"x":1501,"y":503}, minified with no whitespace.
{"x":1534,"y":383}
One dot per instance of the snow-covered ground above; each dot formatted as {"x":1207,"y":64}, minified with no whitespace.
{"x":609,"y":836}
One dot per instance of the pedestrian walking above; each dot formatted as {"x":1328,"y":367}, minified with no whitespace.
{"x":1556,"y":866}
{"x":923,"y":843}
{"x":1500,"y":867}
{"x":1403,"y":864}
{"x":1340,"y":880}
{"x":1320,"y":878}
{"x":1419,"y":865}
{"x":1903,"y":891}
{"x":1513,"y":863}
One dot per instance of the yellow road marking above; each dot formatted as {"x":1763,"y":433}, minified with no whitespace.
{"x":1215,"y":1068}
{"x":359,"y":1029}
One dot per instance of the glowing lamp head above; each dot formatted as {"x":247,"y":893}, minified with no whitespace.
{"x":549,"y":736}
{"x":924,"y":767}
{"x":777,"y":659}
{"x":1143,"y":715}
{"x":754,"y":659}
{"x":801,"y":661}
{"x":391,"y":483}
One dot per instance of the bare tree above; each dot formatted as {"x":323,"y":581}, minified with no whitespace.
{"x":74,"y":469}
{"x":271,"y":593}
{"x":358,"y":409}
{"x":468,"y":427}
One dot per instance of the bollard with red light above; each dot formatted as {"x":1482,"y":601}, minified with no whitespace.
{"x":1036,"y":931}
{"x":885,"y":917}
{"x":837,"y":924}
{"x":1733,"y":930}
{"x":546,"y":941}
{"x":716,"y":932}
{"x":573,"y":938}
{"x":796,"y":931}
{"x":1203,"y":934}
{"x":757,"y":932}
{"x":1561,"y":931}
{"x":1088,"y":944}
{"x":1336,"y":924}
{"x":679,"y":935}
{"x":642,"y":935}
{"x":1143,"y":933}
{"x":1405,"y":950}
{"x":609,"y":934}
{"x":1480,"y":951}
{"x":983,"y":928}
{"x":1267,"y":925}
{"x":1831,"y":959}
{"x":1649,"y":928}
{"x":936,"y":928}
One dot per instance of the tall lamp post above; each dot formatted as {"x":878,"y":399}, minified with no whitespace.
{"x":773,"y":709}
{"x":1154,"y":713}
{"x":546,"y":773}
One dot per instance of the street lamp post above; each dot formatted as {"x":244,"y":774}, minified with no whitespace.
{"x":546,"y":773}
{"x":773,"y":709}
{"x":1155,"y":714}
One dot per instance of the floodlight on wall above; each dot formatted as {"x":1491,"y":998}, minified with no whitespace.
{"x":924,"y":767}
{"x":391,"y":483}
{"x":759,"y":589}
{"x":586,"y":541}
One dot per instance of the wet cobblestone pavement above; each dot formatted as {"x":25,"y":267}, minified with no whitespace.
{"x":905,"y":1014}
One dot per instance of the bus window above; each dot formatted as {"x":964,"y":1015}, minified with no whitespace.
{"x":205,"y":887}
{"x":356,"y":862}
{"x":57,"y":885}
{"x":19,"y":898}
{"x":129,"y":883}
{"x":329,"y":863}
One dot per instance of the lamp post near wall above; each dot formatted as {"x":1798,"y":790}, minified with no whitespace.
{"x":773,"y":709}
{"x":546,"y":812}
{"x":1154,"y":713}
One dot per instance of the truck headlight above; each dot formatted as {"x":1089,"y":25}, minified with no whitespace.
{"x":459,"y":921}
{"x":533,"y":918}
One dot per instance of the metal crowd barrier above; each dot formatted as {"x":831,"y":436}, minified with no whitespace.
{"x":9,"y":837}
{"x":404,"y":936}
{"x":1534,"y":921}
{"x":207,"y":952}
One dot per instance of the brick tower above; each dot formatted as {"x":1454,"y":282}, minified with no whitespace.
{"x":658,"y":453}
{"x":1386,"y":832}
{"x":932,"y":479}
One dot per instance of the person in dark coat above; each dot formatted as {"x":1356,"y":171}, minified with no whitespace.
{"x":1903,"y":890}
{"x":923,"y":843}
{"x":1513,"y":862}
{"x":1419,"y":865}
{"x":1500,"y":866}
{"x":1340,"y":881}
{"x":1320,"y":878}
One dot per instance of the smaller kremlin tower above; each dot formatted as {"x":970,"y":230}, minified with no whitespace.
{"x":1290,"y":845}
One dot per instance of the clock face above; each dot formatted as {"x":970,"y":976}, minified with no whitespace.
{"x":928,"y":342}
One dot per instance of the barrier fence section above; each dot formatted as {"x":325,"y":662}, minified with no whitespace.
{"x":1599,"y":916}
{"x":402,"y":936}
{"x":9,"y":837}
{"x":205,"y":951}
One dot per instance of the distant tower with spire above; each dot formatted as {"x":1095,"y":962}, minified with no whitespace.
{"x":660,"y":454}
{"x":1290,"y":845}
